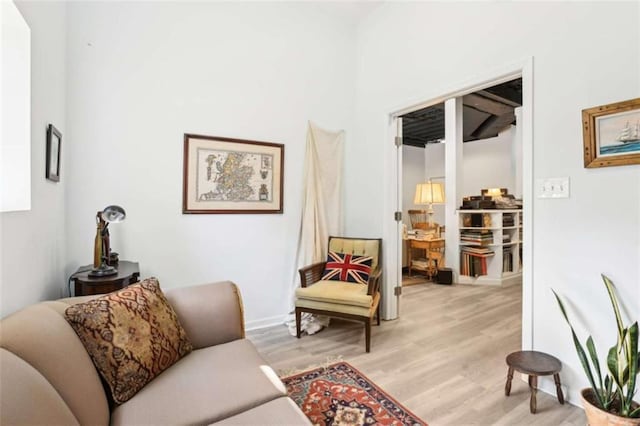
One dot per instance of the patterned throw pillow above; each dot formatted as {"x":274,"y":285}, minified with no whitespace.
{"x":347,"y":267}
{"x":132,"y":335}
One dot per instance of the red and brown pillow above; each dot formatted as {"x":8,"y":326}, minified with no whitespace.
{"x":347,"y":267}
{"x":132,"y":335}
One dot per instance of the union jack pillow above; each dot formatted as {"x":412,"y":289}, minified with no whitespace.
{"x":347,"y":267}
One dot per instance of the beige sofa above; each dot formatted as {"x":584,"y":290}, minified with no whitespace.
{"x":47,"y":377}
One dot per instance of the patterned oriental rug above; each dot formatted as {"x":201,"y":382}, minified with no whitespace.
{"x":341,"y":395}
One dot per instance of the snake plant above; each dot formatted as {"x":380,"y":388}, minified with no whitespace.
{"x":615,"y":391}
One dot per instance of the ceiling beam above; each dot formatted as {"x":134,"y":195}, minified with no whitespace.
{"x":500,"y":99}
{"x":493,"y":126}
{"x":511,"y":90}
{"x":486,"y":105}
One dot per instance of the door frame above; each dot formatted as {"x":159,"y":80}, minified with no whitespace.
{"x":393,"y":197}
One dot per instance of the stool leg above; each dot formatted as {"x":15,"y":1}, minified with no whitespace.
{"x":556,"y":378}
{"x":533,"y":384}
{"x":507,"y":386}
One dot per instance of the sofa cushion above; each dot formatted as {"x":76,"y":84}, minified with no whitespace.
{"x":27,"y":398}
{"x":336,"y":307}
{"x":132,"y":335}
{"x":347,"y":267}
{"x":207,"y":385}
{"x":281,"y":411}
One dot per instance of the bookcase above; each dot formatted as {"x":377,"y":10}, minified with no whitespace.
{"x":490,"y":246}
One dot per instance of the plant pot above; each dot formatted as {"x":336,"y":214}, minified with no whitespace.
{"x":599,"y":417}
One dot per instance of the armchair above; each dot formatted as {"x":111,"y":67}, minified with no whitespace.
{"x":341,"y":299}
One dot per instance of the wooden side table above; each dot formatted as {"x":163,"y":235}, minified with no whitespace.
{"x":128,"y":273}
{"x":432,"y":252}
{"x":534,"y":364}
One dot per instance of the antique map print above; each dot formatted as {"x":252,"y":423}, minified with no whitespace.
{"x":234,"y":176}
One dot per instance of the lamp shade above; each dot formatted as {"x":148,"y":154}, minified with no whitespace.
{"x":429,"y":193}
{"x":113,"y":214}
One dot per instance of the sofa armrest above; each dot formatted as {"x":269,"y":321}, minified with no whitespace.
{"x":211,"y":314}
{"x":311,"y":274}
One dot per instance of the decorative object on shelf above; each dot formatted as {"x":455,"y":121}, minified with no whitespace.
{"x":611,"y":134}
{"x":478,"y":202}
{"x":494,"y":192}
{"x":54,"y":144}
{"x":429,"y":193}
{"x":102,"y":255}
{"x":223,"y":175}
{"x":609,"y":401}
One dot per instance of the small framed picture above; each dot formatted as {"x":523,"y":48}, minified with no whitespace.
{"x":611,"y":134}
{"x":54,"y":144}
{"x":224,"y":175}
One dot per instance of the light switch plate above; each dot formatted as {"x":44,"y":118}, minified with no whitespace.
{"x":552,"y":187}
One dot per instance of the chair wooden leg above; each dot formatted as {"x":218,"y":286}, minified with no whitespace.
{"x":298,"y":318}
{"x":367,"y":334}
{"x":378,"y":314}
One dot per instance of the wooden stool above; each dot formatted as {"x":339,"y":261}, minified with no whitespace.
{"x":534,"y":364}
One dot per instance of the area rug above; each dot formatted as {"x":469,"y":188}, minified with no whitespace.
{"x":341,"y":395}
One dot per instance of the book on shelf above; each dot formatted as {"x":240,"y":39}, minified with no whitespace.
{"x":473,"y":265}
{"x":477,"y":251}
{"x":507,"y":261}
{"x":476,"y":236}
{"x":508,"y":219}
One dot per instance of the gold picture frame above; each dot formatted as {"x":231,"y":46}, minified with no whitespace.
{"x":611,"y":134}
{"x":224,"y":175}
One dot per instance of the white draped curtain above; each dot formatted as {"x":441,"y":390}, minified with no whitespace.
{"x":321,"y":207}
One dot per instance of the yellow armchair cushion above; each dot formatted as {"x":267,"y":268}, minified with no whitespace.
{"x":336,"y":292}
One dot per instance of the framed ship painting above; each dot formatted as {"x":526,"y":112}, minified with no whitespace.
{"x":223,"y":175}
{"x":612,"y":134}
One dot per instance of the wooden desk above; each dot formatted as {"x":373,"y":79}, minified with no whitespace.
{"x":433,"y":251}
{"x":128,"y":273}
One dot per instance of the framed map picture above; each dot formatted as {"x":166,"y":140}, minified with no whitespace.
{"x":611,"y":134}
{"x":223,"y":175}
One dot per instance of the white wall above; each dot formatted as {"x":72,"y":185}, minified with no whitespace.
{"x":488,"y":163}
{"x":33,"y":241}
{"x":146,"y":73}
{"x":413,"y":173}
{"x":574,"y":239}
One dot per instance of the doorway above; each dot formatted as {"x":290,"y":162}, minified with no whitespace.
{"x":393,"y":230}
{"x":491,"y":179}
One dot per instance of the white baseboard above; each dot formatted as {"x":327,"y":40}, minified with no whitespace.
{"x":265,"y":322}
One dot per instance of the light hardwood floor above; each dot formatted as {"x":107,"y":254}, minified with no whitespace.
{"x":444,"y":359}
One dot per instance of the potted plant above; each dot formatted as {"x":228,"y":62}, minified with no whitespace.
{"x":609,"y":401}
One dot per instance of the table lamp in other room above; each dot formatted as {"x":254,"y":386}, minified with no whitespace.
{"x":429,"y":193}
